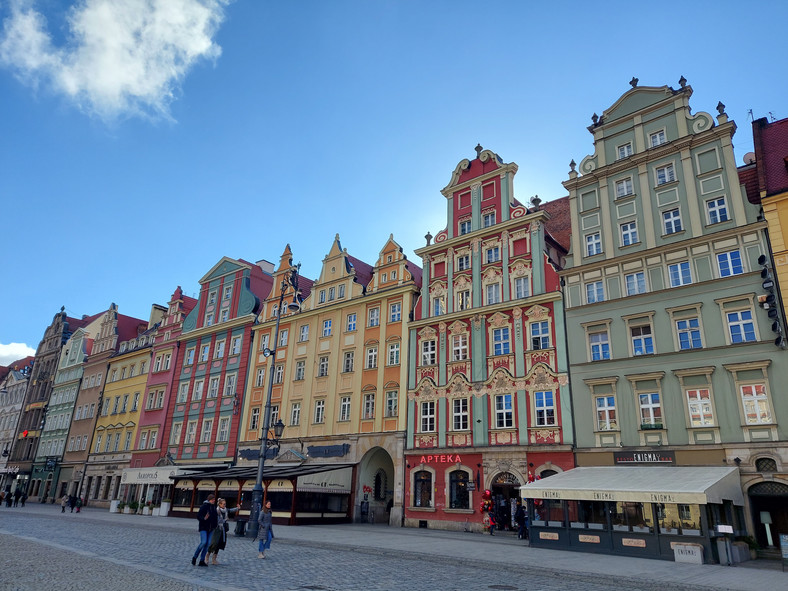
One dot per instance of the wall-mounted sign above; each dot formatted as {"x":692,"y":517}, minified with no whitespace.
{"x":633,"y":542}
{"x":548,"y":535}
{"x":588,"y":539}
{"x":644,"y":457}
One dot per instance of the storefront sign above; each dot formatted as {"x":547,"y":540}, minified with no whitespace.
{"x":588,"y":539}
{"x":644,"y":457}
{"x":441,"y":459}
{"x":332,"y":481}
{"x":548,"y":535}
{"x":633,"y":542}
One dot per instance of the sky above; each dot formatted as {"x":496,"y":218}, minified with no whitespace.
{"x":143,"y":140}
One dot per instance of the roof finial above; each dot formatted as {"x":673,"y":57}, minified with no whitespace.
{"x":683,"y":82}
{"x":634,"y":82}
{"x":478,"y":149}
{"x":595,"y":118}
{"x":720,"y":108}
{"x":428,"y":237}
{"x":572,"y":165}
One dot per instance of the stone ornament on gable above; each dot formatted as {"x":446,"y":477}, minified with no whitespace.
{"x":442,"y":327}
{"x":492,"y":275}
{"x":458,"y":327}
{"x":427,"y":333}
{"x":499,"y":320}
{"x":517,"y":313}
{"x":563,"y":379}
{"x":476,"y":244}
{"x":438,"y":289}
{"x":462,"y":282}
{"x":477,"y":320}
{"x":520,"y":269}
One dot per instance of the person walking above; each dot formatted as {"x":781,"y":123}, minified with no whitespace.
{"x":519,"y":518}
{"x":207,"y":518}
{"x":265,"y":530}
{"x":219,"y":536}
{"x":63,"y":503}
{"x":23,"y":498}
{"x":79,"y":504}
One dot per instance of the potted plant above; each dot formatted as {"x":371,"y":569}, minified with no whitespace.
{"x":121,"y":506}
{"x":147,"y":508}
{"x":133,"y":506}
{"x":753,"y":545}
{"x":166,"y":503}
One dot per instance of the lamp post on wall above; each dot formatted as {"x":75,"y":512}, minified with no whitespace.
{"x":290,"y":279}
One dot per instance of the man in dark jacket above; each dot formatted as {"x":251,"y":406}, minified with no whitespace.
{"x":207,"y":519}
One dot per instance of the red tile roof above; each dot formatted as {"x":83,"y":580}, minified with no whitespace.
{"x":748,"y":176}
{"x":771,"y":155}
{"x":559,"y":226}
{"x":363,"y":270}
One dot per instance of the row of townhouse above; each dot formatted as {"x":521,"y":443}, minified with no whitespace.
{"x":634,"y":326}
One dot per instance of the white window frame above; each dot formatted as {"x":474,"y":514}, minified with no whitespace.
{"x":635,"y":283}
{"x":625,"y":187}
{"x":392,"y":403}
{"x":680,"y":274}
{"x":303,"y":333}
{"x":344,"y":409}
{"x":429,"y":352}
{"x":348,"y":361}
{"x":595,"y":292}
{"x":326,"y":328}
{"x":504,"y":411}
{"x":351,"y":323}
{"x":392,"y":356}
{"x":320,"y":411}
{"x":369,"y":406}
{"x":717,"y":208}
{"x":665,"y":175}
{"x":373,"y":316}
{"x":427,"y":417}
{"x":624,"y":150}
{"x":371,"y":359}
{"x":460,"y":415}
{"x":459,"y":347}
{"x":657,"y":138}
{"x":593,"y":244}
{"x":629,"y":233}
{"x":395,"y":312}
{"x":300,"y":370}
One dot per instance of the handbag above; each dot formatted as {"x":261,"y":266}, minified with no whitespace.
{"x":226,"y":527}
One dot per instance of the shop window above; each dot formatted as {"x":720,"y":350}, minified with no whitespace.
{"x":422,"y":489}
{"x":679,"y":519}
{"x":587,"y":514}
{"x":459,"y":497}
{"x":630,"y":516}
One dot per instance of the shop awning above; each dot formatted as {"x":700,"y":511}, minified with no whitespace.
{"x":270,"y":473}
{"x":663,"y":484}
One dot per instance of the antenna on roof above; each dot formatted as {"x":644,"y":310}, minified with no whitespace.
{"x":750,"y":115}
{"x":772,"y":116}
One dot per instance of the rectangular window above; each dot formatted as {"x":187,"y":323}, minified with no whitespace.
{"x":427,"y":417}
{"x":303,"y":334}
{"x":116,"y":405}
{"x":689,"y":333}
{"x":98,"y":444}
{"x":213,"y":388}
{"x":600,"y":346}
{"x":464,"y":300}
{"x":300,"y":370}
{"x":606,"y":413}
{"x":224,"y":315}
{"x":279,"y":374}
{"x":629,"y":234}
{"x":716,"y":210}
{"x":351,"y":322}
{"x":392,"y":398}
{"x":395,"y":312}
{"x":143,"y":440}
{"x":428,"y":353}
{"x":264,"y":342}
{"x":254,"y":420}
{"x":624,"y":187}
{"x":211,"y":297}
{"x":636,"y":283}
{"x":545,"y":408}
{"x":235,"y":346}
{"x":665,"y":174}
{"x":593,"y":244}
{"x":218,"y":351}
{"x":680,"y":274}
{"x":322,"y":297}
{"x":369,"y":406}
{"x":341,"y":291}
{"x":136,"y":401}
{"x":459,"y":347}
{"x":209,"y":319}
{"x":393,"y":354}
{"x":642,"y":341}
{"x":157,"y":363}
{"x":595,"y":292}
{"x":699,"y":406}
{"x":331,"y":294}
{"x":175,"y":434}
{"x":488,"y":219}
{"x":295,"y":414}
{"x":320,"y":411}
{"x":223,"y":433}
{"x":730,"y":263}
{"x":493,"y":293}
{"x":344,"y":408}
{"x":205,"y":351}
{"x":756,"y":405}
{"x":465,"y":227}
{"x":191,"y":432}
{"x":322,"y":367}
{"x":672,"y":221}
{"x":283,"y":338}
{"x":259,"y":380}
{"x":372,"y":358}
{"x":374,"y":317}
{"x":438,"y":307}
{"x":657,"y":138}
{"x":522,"y":289}
{"x":625,"y":151}
{"x":326,"y":328}
{"x":492,"y":255}
{"x":741,"y":326}
{"x":227,"y":293}
{"x":207,"y":428}
{"x":540,"y":335}
{"x":348,"y":361}
{"x":650,"y":409}
{"x":504,"y":415}
{"x":127,"y":441}
{"x":463,"y":262}
{"x":183,"y":393}
{"x":229,"y":385}
{"x":460,"y":414}
{"x":501,"y":341}
{"x":125,"y":405}
{"x":152,"y":440}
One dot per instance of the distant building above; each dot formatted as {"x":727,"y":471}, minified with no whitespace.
{"x":13,"y":385}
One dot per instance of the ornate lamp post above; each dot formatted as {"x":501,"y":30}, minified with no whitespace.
{"x":290,"y":279}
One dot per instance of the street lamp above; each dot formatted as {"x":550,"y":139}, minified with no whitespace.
{"x":289,"y":279}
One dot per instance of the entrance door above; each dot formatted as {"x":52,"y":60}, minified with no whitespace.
{"x":505,"y":492}
{"x":769,"y":502}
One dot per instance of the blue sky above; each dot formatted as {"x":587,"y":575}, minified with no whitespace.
{"x":142,"y":141}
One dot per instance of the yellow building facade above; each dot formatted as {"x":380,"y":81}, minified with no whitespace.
{"x":339,"y":386}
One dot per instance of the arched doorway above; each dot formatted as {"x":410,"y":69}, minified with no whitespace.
{"x":769,"y":502}
{"x":505,"y":492}
{"x":375,"y":488}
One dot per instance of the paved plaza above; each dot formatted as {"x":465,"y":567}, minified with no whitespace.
{"x":43,"y":549}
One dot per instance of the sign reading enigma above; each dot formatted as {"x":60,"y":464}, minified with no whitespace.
{"x":644,"y":457}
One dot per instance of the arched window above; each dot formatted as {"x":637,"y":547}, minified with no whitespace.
{"x":422,"y":490}
{"x":765,"y":465}
{"x":458,"y":490}
{"x":380,"y":485}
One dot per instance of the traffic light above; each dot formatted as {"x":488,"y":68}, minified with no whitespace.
{"x":768,"y":301}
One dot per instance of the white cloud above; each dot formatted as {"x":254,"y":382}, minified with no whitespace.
{"x":14,"y":351}
{"x":121,"y":57}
